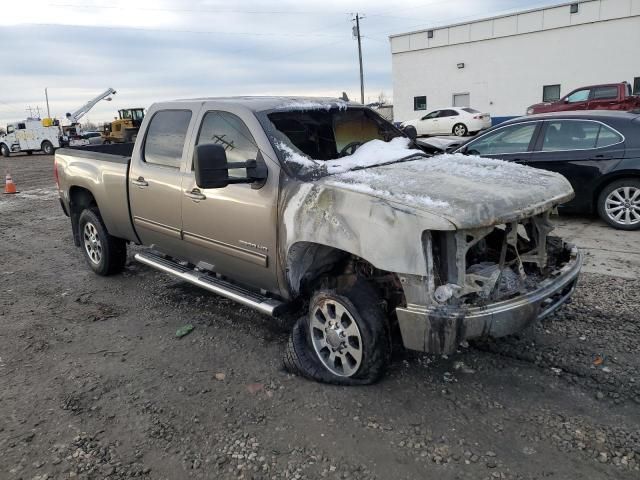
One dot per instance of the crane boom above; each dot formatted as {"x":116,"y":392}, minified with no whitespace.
{"x":83,"y":110}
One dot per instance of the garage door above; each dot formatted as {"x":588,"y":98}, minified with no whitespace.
{"x":461,"y":100}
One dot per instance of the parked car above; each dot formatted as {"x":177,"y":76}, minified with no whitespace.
{"x":457,"y":121}
{"x":279,"y":203}
{"x":610,"y":96}
{"x":597,"y":151}
{"x":94,"y":138}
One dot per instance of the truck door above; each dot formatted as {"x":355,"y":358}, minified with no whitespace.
{"x":578,"y":100}
{"x":233,"y":229}
{"x":155,"y":179}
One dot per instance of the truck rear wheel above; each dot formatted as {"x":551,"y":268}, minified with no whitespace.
{"x":343,"y":339}
{"x":47,"y":147}
{"x":105,"y":254}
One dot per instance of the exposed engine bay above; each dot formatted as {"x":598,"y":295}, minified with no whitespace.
{"x":486,"y":265}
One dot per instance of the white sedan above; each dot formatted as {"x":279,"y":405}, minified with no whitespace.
{"x":457,"y":121}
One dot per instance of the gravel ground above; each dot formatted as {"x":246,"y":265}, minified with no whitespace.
{"x":94,"y":383}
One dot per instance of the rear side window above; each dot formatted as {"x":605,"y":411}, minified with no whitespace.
{"x":165,"y":138}
{"x":605,"y":93}
{"x":564,"y":135}
{"x":448,"y":113}
{"x":471,"y":110}
{"x":607,"y":137}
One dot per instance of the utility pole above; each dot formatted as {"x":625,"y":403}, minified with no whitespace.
{"x":46,"y":95}
{"x":357,"y":33}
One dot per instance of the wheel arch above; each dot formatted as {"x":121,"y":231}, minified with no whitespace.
{"x":607,"y":180}
{"x":80,"y":198}
{"x":308,"y":264}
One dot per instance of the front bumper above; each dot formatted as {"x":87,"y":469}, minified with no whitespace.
{"x":440,"y":329}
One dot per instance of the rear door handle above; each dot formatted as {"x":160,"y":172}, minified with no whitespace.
{"x":140,"y":182}
{"x":195,"y":195}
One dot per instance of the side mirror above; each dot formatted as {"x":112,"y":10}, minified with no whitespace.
{"x":410,"y":131}
{"x":212,"y":168}
{"x":454,"y":146}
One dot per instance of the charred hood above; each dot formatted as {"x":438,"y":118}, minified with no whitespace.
{"x":468,"y":191}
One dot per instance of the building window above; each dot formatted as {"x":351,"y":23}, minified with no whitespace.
{"x":551,"y":93}
{"x":575,"y":7}
{"x":419,"y":103}
{"x":430,"y":34}
{"x":636,"y":86}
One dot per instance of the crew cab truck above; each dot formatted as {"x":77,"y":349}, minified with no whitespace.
{"x":30,"y":136}
{"x":322,"y":207}
{"x":610,"y":96}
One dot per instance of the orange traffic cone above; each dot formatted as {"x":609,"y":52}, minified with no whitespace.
{"x":9,"y":186}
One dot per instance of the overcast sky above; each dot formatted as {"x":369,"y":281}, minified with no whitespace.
{"x":151,"y":50}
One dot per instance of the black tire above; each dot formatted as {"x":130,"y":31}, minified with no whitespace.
{"x":460,"y":130}
{"x":410,"y":131}
{"x":113,"y":251}
{"x":624,"y":204}
{"x":364,"y":307}
{"x":47,"y":147}
{"x":5,"y":150}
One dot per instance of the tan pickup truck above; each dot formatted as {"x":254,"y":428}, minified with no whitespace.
{"x":323,"y":207}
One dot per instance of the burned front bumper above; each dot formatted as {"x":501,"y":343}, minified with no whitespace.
{"x":440,"y":329}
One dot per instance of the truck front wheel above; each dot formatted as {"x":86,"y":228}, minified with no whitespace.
{"x":104,"y":253}
{"x":343,"y":339}
{"x":4,"y":150}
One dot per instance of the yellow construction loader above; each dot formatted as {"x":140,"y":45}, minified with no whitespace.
{"x":124,"y":128}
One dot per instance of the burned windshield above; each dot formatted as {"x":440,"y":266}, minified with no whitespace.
{"x":328,"y":134}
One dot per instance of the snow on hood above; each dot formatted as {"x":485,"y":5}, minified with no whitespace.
{"x":469,"y":191}
{"x":373,"y":152}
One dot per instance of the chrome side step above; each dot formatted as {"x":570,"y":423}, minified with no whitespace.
{"x":228,"y":290}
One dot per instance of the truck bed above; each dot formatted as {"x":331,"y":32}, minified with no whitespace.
{"x":102,"y":171}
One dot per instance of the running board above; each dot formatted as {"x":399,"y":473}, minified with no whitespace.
{"x":228,"y":290}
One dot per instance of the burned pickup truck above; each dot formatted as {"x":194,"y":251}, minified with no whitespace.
{"x":324,"y":208}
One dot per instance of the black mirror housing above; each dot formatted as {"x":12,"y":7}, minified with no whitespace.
{"x":210,"y":166}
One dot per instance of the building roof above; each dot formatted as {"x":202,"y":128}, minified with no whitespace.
{"x":515,"y":23}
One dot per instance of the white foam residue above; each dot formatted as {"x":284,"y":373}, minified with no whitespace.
{"x":367,"y":182}
{"x":313,"y":105}
{"x":374,"y":152}
{"x":294,"y":157}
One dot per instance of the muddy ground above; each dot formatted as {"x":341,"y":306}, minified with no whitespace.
{"x":95,"y":384}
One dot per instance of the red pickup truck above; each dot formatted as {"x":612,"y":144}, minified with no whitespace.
{"x":610,"y":96}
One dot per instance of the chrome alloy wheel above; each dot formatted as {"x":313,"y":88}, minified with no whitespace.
{"x":92,"y":243}
{"x":622,"y":205}
{"x":460,"y":130}
{"x":336,"y":337}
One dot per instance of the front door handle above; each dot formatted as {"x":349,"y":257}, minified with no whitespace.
{"x":195,"y":195}
{"x":140,"y":182}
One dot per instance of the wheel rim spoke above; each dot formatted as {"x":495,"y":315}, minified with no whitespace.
{"x":336,"y":338}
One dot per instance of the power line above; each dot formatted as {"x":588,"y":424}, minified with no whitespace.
{"x":198,"y":10}
{"x":197,"y":32}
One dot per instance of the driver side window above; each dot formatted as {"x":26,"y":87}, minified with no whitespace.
{"x":431,"y":115}
{"x":579,"y":96}
{"x":511,"y":139}
{"x":228,"y":130}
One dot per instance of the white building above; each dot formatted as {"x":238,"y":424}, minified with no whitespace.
{"x":503,"y":64}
